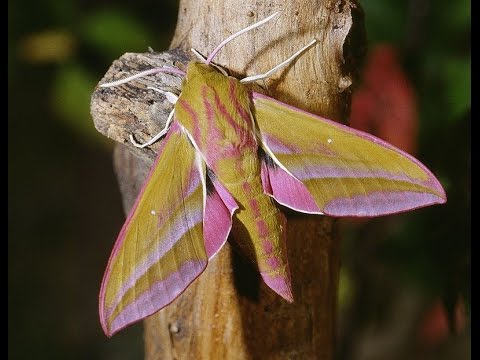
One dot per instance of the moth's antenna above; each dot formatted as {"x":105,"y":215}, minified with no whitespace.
{"x":164,"y":69}
{"x":204,"y":59}
{"x":284,"y":63}
{"x":231,"y":37}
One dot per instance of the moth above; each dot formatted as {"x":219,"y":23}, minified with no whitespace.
{"x":230,"y":153}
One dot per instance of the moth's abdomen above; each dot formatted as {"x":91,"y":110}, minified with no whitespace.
{"x":215,"y":110}
{"x":262,"y":224}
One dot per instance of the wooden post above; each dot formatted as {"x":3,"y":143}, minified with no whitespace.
{"x":228,"y":313}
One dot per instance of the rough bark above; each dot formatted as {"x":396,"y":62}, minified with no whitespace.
{"x":228,"y":313}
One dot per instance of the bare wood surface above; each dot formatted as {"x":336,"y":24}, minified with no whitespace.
{"x":228,"y":313}
{"x":132,"y":108}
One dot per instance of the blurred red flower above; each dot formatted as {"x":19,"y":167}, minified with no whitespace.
{"x":385,"y":105}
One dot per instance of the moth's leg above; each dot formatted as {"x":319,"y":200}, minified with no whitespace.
{"x":171,"y":97}
{"x":263,"y":76}
{"x":156,"y":137}
{"x":165,"y":69}
{"x":204,"y":60}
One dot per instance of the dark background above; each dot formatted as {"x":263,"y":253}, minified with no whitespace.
{"x":405,"y":281}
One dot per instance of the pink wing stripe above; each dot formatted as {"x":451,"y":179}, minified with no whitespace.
{"x":217,"y":222}
{"x":377,"y":203}
{"x":315,"y":171}
{"x":432,"y":181}
{"x":121,"y":236}
{"x":175,"y":233}
{"x":159,"y":295}
{"x":165,"y":291}
{"x":176,"y":230}
{"x":287,"y":190}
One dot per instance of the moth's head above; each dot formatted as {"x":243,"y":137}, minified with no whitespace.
{"x":196,"y":68}
{"x":201,"y":72}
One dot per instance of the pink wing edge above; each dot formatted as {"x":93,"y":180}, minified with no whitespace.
{"x":217,"y":221}
{"x":277,"y":178}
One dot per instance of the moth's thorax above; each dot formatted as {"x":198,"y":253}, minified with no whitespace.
{"x":215,"y":110}
{"x":200,"y":72}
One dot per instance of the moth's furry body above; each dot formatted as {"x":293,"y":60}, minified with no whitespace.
{"x":220,"y":123}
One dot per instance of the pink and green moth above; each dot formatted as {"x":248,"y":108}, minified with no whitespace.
{"x":230,"y":153}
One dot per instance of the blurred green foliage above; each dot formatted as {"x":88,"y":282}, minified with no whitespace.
{"x":61,"y":184}
{"x":434,"y":38}
{"x":426,"y":253}
{"x":97,"y":30}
